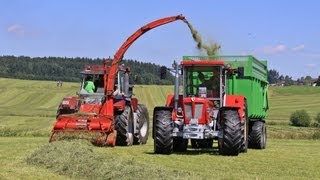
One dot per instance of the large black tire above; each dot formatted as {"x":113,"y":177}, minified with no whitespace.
{"x":258,"y":135}
{"x":231,"y":142}
{"x":201,"y":143}
{"x":245,"y":130}
{"x":124,"y":127}
{"x":180,"y":144}
{"x":163,"y":126}
{"x":142,"y":126}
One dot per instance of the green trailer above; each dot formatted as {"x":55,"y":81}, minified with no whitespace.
{"x":253,"y":84}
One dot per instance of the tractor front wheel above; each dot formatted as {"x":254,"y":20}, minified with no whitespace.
{"x":142,"y":125}
{"x":232,"y":139}
{"x":123,"y":126}
{"x":163,"y":140}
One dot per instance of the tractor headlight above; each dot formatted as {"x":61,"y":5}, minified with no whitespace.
{"x":65,"y":102}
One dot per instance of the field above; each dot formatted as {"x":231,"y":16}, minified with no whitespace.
{"x":27,"y":112}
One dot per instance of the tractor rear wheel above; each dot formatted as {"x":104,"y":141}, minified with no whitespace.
{"x":231,"y":142}
{"x":180,"y":144}
{"x":142,"y":125}
{"x":123,"y":126}
{"x":163,"y":140}
{"x":258,"y":135}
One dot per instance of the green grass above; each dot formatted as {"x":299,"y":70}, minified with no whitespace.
{"x":283,"y":101}
{"x":27,"y":112}
{"x":283,"y":159}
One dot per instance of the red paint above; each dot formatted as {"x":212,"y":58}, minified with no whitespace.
{"x":170,"y":100}
{"x":134,"y":103}
{"x":90,"y":108}
{"x":119,"y":105}
{"x":69,"y":103}
{"x":236,"y":101}
{"x":193,"y":101}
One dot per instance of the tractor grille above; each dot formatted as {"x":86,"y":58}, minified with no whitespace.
{"x":188,"y":110}
{"x":198,"y":110}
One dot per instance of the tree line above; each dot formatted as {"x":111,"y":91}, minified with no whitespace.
{"x":68,"y":69}
{"x":274,"y":77}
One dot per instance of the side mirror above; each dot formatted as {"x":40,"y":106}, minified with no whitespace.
{"x":240,"y":72}
{"x":163,"y":72}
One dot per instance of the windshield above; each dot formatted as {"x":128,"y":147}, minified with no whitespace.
{"x":96,"y":83}
{"x":202,"y":81}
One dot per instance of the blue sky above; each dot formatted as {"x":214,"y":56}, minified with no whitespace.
{"x":286,"y":33}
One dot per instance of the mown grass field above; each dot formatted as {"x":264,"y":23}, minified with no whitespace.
{"x":27,"y":112}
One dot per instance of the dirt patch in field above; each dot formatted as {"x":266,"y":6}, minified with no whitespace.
{"x":211,"y":49}
{"x":78,"y":159}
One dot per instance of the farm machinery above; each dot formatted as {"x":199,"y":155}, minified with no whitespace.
{"x":109,"y":114}
{"x":224,"y":99}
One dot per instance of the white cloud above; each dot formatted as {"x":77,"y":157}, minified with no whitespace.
{"x":311,"y":65}
{"x":298,"y":48}
{"x":280,"y":48}
{"x":16,"y":29}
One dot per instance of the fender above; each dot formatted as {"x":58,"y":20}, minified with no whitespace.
{"x":238,"y":102}
{"x":170,"y":100}
{"x":70,"y":103}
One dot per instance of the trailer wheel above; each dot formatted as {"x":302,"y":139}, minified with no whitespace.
{"x":258,"y":135}
{"x":123,"y":126}
{"x":142,"y":125}
{"x":201,"y":143}
{"x":180,"y":144}
{"x":163,"y":140}
{"x":231,"y":141}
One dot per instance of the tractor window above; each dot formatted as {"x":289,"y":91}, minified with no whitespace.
{"x":202,"y":81}
{"x":97,"y":80}
{"x":119,"y":85}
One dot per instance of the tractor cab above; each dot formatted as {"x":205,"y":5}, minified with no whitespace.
{"x":92,"y":76}
{"x":95,"y":74}
{"x":204,"y":80}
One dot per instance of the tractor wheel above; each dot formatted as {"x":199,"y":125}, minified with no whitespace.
{"x":123,"y":126}
{"x":231,"y":142}
{"x":245,"y":130}
{"x":201,"y":143}
{"x":142,"y":126}
{"x":163,"y":140}
{"x":180,"y":144}
{"x":258,"y":135}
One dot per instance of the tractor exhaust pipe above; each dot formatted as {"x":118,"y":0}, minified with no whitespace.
{"x":176,"y":84}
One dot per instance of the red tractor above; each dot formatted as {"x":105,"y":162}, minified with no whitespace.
{"x":221,"y":100}
{"x":110,"y":114}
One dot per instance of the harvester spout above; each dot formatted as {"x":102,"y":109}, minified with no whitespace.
{"x":122,"y":50}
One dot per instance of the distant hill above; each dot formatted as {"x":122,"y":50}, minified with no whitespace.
{"x":68,"y":69}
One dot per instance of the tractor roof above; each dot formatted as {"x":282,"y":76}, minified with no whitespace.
{"x":93,"y":69}
{"x":203,"y":63}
